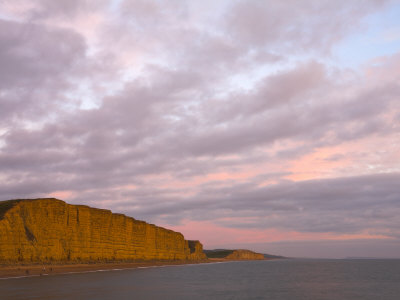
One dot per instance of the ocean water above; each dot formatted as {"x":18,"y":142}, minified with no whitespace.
{"x":293,"y":279}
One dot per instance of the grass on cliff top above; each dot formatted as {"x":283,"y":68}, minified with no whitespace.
{"x":219,"y":253}
{"x":5,"y":206}
{"x":8,"y":204}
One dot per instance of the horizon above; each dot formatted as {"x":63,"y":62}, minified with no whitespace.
{"x":270,"y":126}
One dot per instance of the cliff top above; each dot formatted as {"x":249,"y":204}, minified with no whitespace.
{"x":6,"y":205}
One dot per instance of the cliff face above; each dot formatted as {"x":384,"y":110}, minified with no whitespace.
{"x":245,"y":255}
{"x":45,"y":230}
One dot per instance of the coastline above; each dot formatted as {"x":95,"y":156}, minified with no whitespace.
{"x":22,"y":271}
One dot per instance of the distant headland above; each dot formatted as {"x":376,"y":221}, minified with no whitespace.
{"x":239,"y":254}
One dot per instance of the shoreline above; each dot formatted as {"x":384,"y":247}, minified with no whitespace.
{"x":33,"y":270}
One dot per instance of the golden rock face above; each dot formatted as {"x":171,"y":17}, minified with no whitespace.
{"x":50,"y":230}
{"x":245,"y":255}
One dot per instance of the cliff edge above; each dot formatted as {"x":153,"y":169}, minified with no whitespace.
{"x":50,"y":230}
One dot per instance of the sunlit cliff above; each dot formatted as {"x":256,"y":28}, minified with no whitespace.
{"x":50,"y":230}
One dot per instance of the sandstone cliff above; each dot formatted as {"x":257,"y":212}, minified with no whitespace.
{"x":245,"y":254}
{"x":234,"y":254}
{"x":50,"y":230}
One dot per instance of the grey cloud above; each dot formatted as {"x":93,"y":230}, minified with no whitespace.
{"x":120,"y":138}
{"x":36,"y":61}
{"x":47,"y":9}
{"x":342,"y":205}
{"x":125,"y":129}
{"x":286,"y":24}
{"x":153,"y":13}
{"x":31,"y":54}
{"x":288,"y":87}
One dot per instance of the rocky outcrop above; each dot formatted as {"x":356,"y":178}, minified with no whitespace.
{"x":196,"y":251}
{"x":50,"y":230}
{"x":234,"y":254}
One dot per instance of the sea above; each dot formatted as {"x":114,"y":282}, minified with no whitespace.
{"x":285,"y":279}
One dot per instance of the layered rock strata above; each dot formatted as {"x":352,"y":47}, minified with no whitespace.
{"x":50,"y":230}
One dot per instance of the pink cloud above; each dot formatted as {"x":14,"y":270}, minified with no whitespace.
{"x":64,"y":195}
{"x":213,"y":235}
{"x":374,"y":154}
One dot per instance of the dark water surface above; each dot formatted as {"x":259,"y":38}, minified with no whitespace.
{"x":280,"y":279}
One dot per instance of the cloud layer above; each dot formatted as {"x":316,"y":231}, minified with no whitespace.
{"x":235,"y":113}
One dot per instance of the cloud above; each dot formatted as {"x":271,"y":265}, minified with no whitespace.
{"x":30,"y":53}
{"x":47,"y":9}
{"x":287,"y":24}
{"x":36,"y":61}
{"x":342,"y":205}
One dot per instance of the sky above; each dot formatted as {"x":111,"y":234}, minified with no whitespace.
{"x":267,"y":125}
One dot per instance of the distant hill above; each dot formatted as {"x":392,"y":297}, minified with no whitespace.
{"x":226,"y":253}
{"x":237,"y":254}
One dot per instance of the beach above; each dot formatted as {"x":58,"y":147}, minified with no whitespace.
{"x":9,"y":271}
